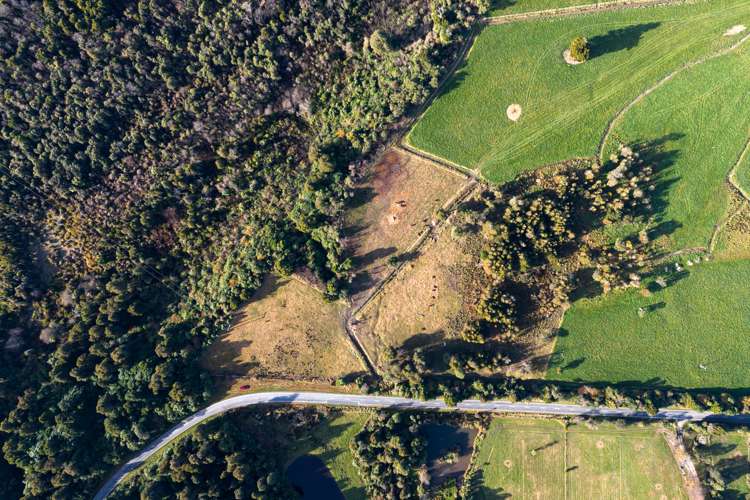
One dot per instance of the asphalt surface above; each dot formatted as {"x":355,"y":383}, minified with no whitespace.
{"x":396,"y":403}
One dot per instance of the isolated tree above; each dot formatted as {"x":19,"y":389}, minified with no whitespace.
{"x":579,"y":49}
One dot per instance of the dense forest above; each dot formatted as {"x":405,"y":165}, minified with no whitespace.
{"x":157,"y":158}
{"x":238,"y":455}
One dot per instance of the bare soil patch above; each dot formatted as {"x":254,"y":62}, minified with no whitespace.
{"x":514,"y":112}
{"x":569,"y":59}
{"x":735,"y":30}
{"x":287,"y":331}
{"x":395,"y":202}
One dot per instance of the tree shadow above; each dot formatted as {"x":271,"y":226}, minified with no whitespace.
{"x":360,"y":196}
{"x":733,"y":468}
{"x":619,"y":39}
{"x":572,"y":365}
{"x":372,"y":256}
{"x":477,"y":488}
{"x":502,"y":4}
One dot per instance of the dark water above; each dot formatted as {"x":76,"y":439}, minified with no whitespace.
{"x":440,"y":440}
{"x":312,"y":479}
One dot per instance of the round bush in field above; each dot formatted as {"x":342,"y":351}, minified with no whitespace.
{"x":579,"y":49}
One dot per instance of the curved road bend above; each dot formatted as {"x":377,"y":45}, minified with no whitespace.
{"x":396,"y":403}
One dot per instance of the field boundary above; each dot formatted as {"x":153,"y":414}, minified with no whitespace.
{"x":640,"y":97}
{"x":463,"y":193}
{"x":733,"y":172}
{"x":578,"y":9}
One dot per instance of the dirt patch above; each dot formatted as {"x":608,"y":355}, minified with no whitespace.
{"x":514,"y":112}
{"x":735,"y":30}
{"x":287,"y":331}
{"x":394,"y":203}
{"x":569,"y":59}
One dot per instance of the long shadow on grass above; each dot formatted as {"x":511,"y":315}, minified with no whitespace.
{"x":502,"y":4}
{"x":619,"y":39}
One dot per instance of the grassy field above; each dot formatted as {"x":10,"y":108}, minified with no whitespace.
{"x":701,"y":124}
{"x":425,"y":303}
{"x":531,"y":459}
{"x":743,"y":172}
{"x":701,"y":319}
{"x":330,"y":442}
{"x":397,"y":200}
{"x":565,"y":108}
{"x":503,"y":7}
{"x":287,"y":331}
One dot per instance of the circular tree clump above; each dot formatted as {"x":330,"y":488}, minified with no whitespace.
{"x":579,"y":49}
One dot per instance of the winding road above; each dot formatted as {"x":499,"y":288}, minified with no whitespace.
{"x":396,"y":403}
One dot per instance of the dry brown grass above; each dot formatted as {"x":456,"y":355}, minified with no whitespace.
{"x":427,"y":301}
{"x":287,"y":331}
{"x":733,"y":239}
{"x":398,"y":201}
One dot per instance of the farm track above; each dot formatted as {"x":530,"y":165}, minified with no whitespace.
{"x":397,"y":142}
{"x":618,"y":116}
{"x":578,"y":9}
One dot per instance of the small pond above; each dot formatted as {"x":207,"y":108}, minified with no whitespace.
{"x":312,"y":480}
{"x":448,"y":451}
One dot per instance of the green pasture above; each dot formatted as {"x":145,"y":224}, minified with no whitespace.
{"x":330,"y":442}
{"x":529,"y":459}
{"x":693,"y":332}
{"x":697,"y":125}
{"x":565,"y":108}
{"x":742,"y":174}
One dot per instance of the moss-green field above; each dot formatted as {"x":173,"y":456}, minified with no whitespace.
{"x":565,"y":108}
{"x":699,"y":122}
{"x":529,"y":459}
{"x":742,"y":174}
{"x":330,"y":442}
{"x":701,"y":319}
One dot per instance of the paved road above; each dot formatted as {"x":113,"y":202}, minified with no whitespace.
{"x":470,"y":405}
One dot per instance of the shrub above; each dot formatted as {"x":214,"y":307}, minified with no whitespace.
{"x":579,"y":49}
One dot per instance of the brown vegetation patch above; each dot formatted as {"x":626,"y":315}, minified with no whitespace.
{"x":733,"y":238}
{"x":395,"y":202}
{"x":287,"y":331}
{"x":429,"y":299}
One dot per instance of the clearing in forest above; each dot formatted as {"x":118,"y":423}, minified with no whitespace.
{"x":565,"y":109}
{"x":287,"y":331}
{"x":529,"y":459}
{"x":428,"y":299}
{"x":395,"y":202}
{"x":329,"y":442}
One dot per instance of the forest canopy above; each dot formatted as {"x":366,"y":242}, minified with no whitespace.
{"x":157,"y":159}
